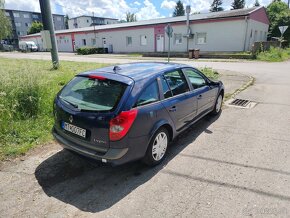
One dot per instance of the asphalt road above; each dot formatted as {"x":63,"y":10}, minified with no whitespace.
{"x":235,"y":165}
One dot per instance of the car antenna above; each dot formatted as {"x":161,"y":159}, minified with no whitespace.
{"x":116,"y":68}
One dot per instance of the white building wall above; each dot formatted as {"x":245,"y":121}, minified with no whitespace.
{"x":220,"y":36}
{"x":226,"y":36}
{"x":64,"y":43}
{"x":257,"y":32}
{"x":118,"y":39}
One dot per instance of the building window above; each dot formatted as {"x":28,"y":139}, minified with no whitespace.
{"x":88,"y":21}
{"x":129,"y":41}
{"x":84,"y":42}
{"x":200,"y":38}
{"x":93,"y":41}
{"x":143,"y":40}
{"x":21,"y":33}
{"x":15,"y":14}
{"x":58,"y":18}
{"x":17,"y":24}
{"x":35,"y":16}
{"x":28,"y":24}
{"x":7,"y":14}
{"x":26,"y":15}
{"x":178,"y":39}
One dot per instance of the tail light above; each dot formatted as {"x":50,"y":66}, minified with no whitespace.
{"x":120,"y":125}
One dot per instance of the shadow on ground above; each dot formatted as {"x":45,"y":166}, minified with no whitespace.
{"x":95,"y":187}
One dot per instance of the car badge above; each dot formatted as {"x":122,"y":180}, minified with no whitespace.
{"x":71,"y":119}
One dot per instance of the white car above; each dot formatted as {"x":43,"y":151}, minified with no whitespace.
{"x":27,"y":46}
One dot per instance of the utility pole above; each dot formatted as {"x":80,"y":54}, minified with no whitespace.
{"x":187,"y":26}
{"x":48,"y":25}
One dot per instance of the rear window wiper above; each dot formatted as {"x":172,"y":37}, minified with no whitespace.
{"x":68,"y":102}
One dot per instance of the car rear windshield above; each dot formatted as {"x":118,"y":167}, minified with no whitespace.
{"x":89,"y":94}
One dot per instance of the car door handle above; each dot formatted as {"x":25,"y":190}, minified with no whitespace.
{"x":172,"y":109}
{"x":199,"y":97}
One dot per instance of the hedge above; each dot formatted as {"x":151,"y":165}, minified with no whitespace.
{"x":91,"y":50}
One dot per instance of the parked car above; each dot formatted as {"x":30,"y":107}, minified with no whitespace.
{"x":132,"y":111}
{"x":27,"y":46}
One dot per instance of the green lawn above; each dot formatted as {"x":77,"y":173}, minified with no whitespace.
{"x":27,"y":90}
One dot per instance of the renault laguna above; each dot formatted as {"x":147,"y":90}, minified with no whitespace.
{"x":132,"y":111}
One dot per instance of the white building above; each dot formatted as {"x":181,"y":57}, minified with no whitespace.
{"x":87,"y":21}
{"x":227,"y":31}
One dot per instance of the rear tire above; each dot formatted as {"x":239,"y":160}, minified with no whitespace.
{"x":218,"y":105}
{"x":157,"y":148}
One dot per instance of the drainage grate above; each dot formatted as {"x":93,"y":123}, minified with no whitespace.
{"x":240,"y":102}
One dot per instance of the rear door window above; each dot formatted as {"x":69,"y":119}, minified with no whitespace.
{"x":149,"y":95}
{"x":93,"y":94}
{"x":177,"y":82}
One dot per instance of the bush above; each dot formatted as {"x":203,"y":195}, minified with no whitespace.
{"x":274,"y":55}
{"x":91,"y":50}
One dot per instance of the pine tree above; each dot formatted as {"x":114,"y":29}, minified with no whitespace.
{"x":238,"y":4}
{"x":179,"y":9}
{"x":216,"y":6}
{"x":257,"y":3}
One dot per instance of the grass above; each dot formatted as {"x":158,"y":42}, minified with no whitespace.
{"x":274,"y":55}
{"x":27,"y":90}
{"x":210,"y":73}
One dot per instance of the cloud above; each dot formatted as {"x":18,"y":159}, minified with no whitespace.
{"x":147,"y":12}
{"x":168,"y":4}
{"x":137,"y":3}
{"x":33,"y":5}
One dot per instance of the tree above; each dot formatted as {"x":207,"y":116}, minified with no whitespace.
{"x":5,"y":24}
{"x":130,"y":17}
{"x":257,"y":3}
{"x":179,"y":9}
{"x":238,"y":4}
{"x":216,"y":6}
{"x":279,"y":15}
{"x":36,"y":27}
{"x":66,"y":18}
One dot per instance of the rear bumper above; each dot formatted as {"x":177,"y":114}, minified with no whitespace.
{"x":114,"y":156}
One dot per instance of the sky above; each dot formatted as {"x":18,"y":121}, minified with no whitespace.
{"x":144,"y":10}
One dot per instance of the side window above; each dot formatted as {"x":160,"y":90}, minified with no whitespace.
{"x":195,"y":79}
{"x":149,"y":95}
{"x":166,"y":90}
{"x":176,"y":82}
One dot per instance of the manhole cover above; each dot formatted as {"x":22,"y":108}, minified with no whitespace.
{"x":241,"y":103}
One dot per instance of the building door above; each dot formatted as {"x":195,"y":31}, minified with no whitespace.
{"x":160,"y":43}
{"x":104,"y":41}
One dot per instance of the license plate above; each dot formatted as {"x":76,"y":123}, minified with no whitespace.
{"x":74,"y":129}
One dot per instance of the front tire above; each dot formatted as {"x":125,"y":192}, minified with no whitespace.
{"x":157,"y":148}
{"x":218,"y":105}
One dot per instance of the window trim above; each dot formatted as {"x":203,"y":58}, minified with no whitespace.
{"x":127,"y":44}
{"x":179,"y":43}
{"x":197,"y":38}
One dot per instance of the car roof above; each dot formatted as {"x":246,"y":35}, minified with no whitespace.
{"x":139,"y":70}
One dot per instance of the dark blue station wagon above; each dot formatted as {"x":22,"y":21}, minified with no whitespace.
{"x":132,"y":111}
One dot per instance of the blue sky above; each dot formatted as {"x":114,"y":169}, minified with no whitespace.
{"x":146,"y":9}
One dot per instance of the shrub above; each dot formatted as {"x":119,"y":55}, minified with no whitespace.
{"x":91,"y":50}
{"x":274,"y":55}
